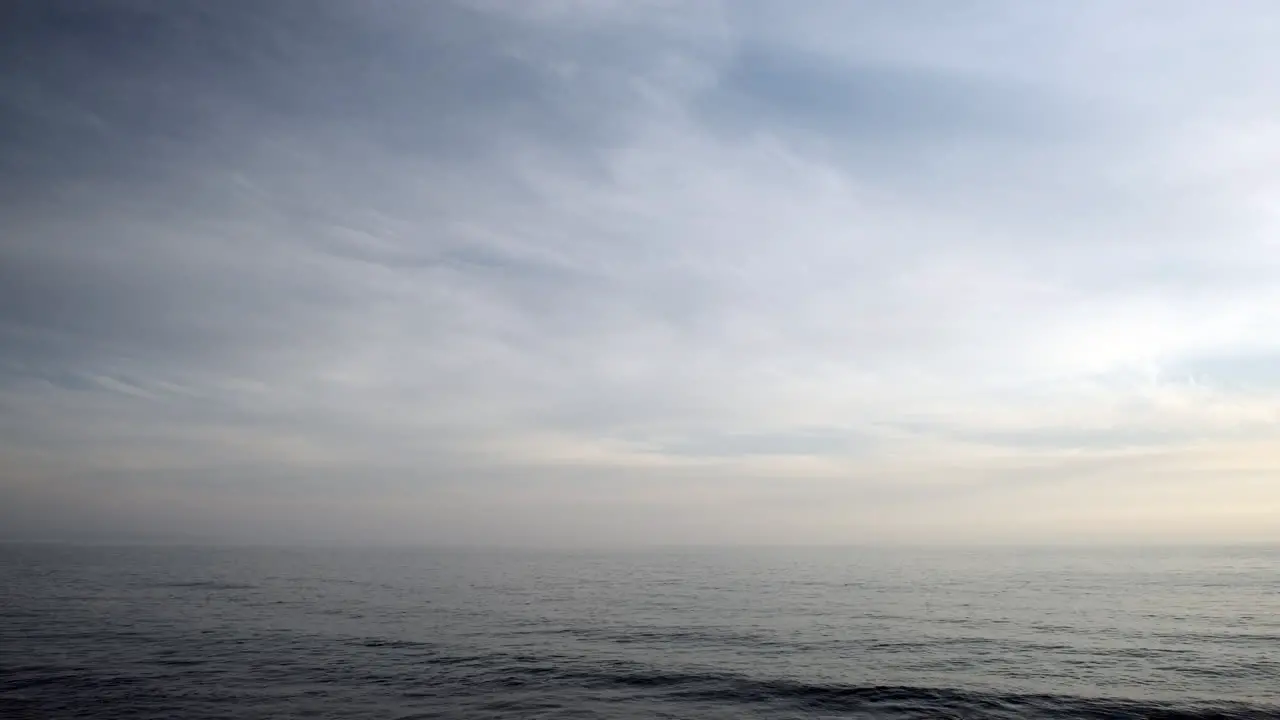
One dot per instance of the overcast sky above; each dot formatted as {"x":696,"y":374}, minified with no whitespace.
{"x":613,"y":272}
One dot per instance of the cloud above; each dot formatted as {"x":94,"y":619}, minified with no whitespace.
{"x":635,"y":272}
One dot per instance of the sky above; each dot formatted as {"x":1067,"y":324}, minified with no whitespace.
{"x":607,"y":272}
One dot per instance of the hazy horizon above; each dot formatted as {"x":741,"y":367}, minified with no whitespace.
{"x":643,"y":273}
{"x":989,"y":548}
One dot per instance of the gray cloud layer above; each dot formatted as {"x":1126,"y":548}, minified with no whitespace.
{"x":639,"y":272}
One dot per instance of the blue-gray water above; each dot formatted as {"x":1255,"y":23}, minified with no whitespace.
{"x":822,"y":633}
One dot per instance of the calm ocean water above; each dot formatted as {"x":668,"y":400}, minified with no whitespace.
{"x":814,"y":633}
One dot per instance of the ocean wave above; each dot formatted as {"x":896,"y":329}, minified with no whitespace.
{"x":568,"y":675}
{"x":892,"y":701}
{"x":205,"y":585}
{"x":666,"y":636}
{"x":497,"y":674}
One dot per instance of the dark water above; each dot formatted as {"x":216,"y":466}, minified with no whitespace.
{"x":241,"y":633}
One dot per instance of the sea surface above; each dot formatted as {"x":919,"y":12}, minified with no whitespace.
{"x":174,"y":633}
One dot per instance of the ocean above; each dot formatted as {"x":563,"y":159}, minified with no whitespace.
{"x":238,"y":633}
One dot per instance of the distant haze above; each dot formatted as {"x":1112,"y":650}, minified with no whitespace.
{"x":592,"y":272}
